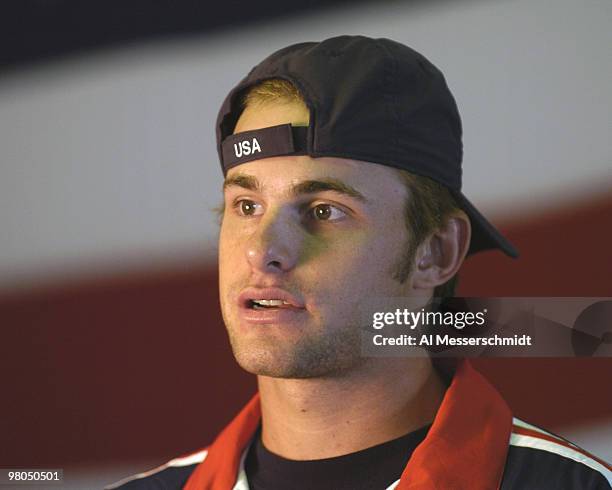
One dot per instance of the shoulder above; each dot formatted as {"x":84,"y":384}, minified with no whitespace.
{"x":170,"y":476}
{"x":539,"y":459}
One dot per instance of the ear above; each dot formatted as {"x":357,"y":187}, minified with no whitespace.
{"x":440,"y":256}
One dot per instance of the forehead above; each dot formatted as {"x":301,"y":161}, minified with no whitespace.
{"x":374,"y":181}
{"x":279,"y":175}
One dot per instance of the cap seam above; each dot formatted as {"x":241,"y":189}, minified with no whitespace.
{"x":390,"y":69}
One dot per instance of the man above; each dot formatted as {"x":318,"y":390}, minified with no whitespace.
{"x":342,"y":163}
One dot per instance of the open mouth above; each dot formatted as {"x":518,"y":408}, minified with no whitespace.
{"x":268,"y":304}
{"x":272,"y":300}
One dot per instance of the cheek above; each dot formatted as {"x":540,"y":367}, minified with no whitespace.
{"x":345,"y":268}
{"x":229,"y":254}
{"x":368,"y":264}
{"x":231,"y":236}
{"x":224,"y":242}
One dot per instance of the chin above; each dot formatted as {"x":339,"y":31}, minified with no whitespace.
{"x":296,"y":363}
{"x":263,"y":362}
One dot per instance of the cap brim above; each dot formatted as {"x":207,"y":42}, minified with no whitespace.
{"x":484,"y":235}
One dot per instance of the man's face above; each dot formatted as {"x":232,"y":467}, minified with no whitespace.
{"x":303,"y":242}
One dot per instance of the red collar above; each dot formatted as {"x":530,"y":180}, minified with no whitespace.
{"x":465,"y":448}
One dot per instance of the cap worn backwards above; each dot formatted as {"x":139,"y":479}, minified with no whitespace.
{"x":374,"y":100}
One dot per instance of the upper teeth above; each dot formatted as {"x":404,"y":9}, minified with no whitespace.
{"x":270,"y":302}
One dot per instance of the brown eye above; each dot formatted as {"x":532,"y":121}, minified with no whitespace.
{"x":326,"y":212}
{"x":246,"y":207}
{"x":322,"y":211}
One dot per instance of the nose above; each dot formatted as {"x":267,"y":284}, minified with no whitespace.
{"x":274,"y":246}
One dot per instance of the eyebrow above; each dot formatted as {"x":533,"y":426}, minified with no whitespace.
{"x":241,"y":180}
{"x":304,"y":187}
{"x":334,"y":185}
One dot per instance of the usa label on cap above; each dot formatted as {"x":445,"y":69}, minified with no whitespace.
{"x":263,"y":143}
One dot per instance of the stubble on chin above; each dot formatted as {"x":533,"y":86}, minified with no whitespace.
{"x":312,"y":356}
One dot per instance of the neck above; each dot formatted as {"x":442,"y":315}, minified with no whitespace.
{"x":305,"y":419}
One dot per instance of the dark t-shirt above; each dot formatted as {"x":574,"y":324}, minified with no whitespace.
{"x":374,"y":468}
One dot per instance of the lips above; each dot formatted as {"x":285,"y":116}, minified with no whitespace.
{"x":250,"y":297}
{"x":270,"y":305}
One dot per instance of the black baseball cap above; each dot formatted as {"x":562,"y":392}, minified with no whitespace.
{"x":369,"y":99}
